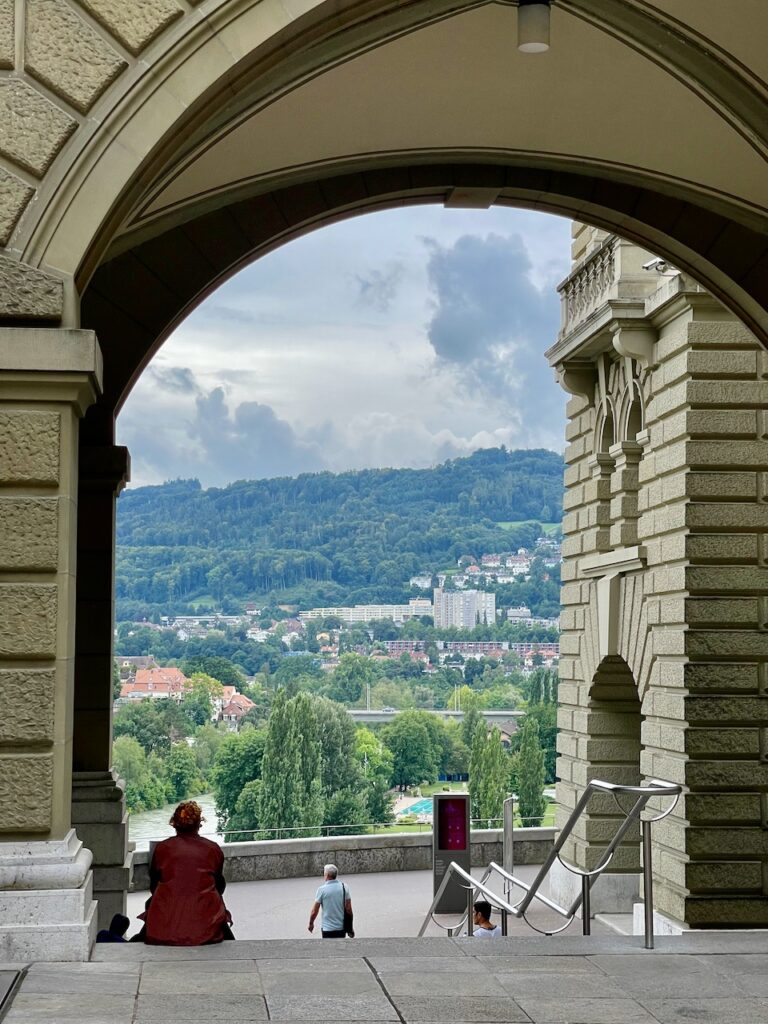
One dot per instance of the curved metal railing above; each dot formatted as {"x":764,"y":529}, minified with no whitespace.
{"x":654,"y":788}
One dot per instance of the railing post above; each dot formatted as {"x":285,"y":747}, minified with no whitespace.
{"x":508,"y":842}
{"x":470,"y":911}
{"x":648,"y":884}
{"x":586,"y":910}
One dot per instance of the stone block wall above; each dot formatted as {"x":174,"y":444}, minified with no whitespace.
{"x":665,"y":643}
{"x":354,"y":855}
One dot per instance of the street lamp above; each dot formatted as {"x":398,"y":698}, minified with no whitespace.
{"x":533,"y":26}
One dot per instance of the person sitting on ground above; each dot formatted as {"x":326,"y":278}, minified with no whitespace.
{"x":333,"y":896}
{"x":483,"y":928}
{"x":186,"y":882}
{"x":118,"y":926}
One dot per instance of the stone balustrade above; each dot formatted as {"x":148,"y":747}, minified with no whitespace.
{"x":590,"y":284}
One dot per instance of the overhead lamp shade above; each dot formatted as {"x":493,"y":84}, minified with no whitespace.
{"x":532,"y":27}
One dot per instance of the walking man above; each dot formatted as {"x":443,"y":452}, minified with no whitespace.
{"x":333,"y":896}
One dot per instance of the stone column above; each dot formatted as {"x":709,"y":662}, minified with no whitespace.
{"x":49,"y":378}
{"x":98,"y":804}
{"x":706,"y":711}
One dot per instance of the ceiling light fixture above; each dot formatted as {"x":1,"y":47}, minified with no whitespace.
{"x":533,"y":26}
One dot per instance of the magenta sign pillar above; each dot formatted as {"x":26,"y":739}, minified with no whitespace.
{"x":450,"y":842}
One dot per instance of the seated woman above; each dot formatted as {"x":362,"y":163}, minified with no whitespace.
{"x":186,"y":881}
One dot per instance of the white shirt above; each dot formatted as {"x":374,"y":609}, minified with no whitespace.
{"x":486,"y":933}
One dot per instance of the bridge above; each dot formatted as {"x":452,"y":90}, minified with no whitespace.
{"x":494,"y":716}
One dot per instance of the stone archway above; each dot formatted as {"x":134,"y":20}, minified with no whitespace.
{"x":609,"y":737}
{"x":177,"y":141}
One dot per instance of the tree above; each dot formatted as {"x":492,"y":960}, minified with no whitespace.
{"x":208,"y":740}
{"x":117,"y":683}
{"x":181,"y":770}
{"x":350,"y":677}
{"x":338,"y":743}
{"x":145,"y":783}
{"x":246,"y":815}
{"x":530,"y":775}
{"x":238,"y":761}
{"x":545,"y":716}
{"x":221,"y":669}
{"x":291,"y":794}
{"x":375,"y":764}
{"x":144,"y":722}
{"x":488,"y":777}
{"x":414,"y":758}
{"x":472,"y":721}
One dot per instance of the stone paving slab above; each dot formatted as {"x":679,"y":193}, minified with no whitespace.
{"x":79,"y":982}
{"x":201,"y":1008}
{"x":370,"y":1007}
{"x":405,"y":983}
{"x":333,"y":984}
{"x":83,"y":1006}
{"x":530,"y":984}
{"x":415,"y":1010}
{"x":7,"y":981}
{"x":708,"y":1011}
{"x":203,"y":983}
{"x":706,"y":978}
{"x":543,"y":1010}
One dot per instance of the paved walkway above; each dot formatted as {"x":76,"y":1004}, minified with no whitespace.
{"x":701,"y":978}
{"x":385,"y":904}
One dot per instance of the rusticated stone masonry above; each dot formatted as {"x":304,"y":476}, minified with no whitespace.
{"x":664,"y":667}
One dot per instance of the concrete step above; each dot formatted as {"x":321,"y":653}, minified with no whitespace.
{"x":316,"y":949}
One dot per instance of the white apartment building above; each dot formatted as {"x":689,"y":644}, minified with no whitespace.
{"x":371,"y":612}
{"x":463,"y":609}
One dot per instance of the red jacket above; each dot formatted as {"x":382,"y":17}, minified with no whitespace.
{"x":186,"y":907}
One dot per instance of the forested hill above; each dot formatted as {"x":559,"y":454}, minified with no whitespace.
{"x":327,"y":538}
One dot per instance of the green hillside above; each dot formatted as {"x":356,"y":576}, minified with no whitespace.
{"x":325,"y":538}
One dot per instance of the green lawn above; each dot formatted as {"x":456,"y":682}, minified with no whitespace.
{"x":440,"y":787}
{"x":548,"y":528}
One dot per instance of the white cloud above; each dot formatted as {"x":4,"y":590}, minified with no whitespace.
{"x":399,"y":338}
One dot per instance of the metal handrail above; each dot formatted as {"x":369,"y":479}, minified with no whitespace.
{"x":648,"y":791}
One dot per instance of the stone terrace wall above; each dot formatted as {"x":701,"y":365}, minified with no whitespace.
{"x":354,"y":855}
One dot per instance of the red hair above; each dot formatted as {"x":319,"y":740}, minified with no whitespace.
{"x":187,"y":817}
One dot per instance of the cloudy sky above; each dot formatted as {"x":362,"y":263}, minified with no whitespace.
{"x":400,"y":338}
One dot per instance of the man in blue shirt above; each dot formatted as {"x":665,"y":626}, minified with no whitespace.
{"x":333,"y":896}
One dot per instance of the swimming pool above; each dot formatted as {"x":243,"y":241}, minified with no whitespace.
{"x":421,"y":807}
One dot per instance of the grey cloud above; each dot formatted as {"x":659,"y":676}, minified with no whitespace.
{"x":379,"y":288}
{"x":175,"y":378}
{"x":215,"y":444}
{"x":253,"y":443}
{"x":493,"y":324}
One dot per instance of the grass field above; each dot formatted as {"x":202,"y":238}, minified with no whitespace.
{"x":548,"y":528}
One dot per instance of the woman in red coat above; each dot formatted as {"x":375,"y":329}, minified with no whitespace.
{"x":186,"y":881}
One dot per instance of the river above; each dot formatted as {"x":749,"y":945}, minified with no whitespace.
{"x":154,"y":824}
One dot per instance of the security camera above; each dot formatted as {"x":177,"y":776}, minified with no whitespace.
{"x":658,"y":264}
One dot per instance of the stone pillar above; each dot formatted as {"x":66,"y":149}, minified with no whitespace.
{"x":705,"y":526}
{"x":98,"y":804}
{"x":624,"y":485}
{"x":49,"y":378}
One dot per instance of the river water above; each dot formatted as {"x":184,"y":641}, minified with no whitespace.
{"x":154,"y":824}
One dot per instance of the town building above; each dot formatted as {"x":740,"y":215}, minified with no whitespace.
{"x":415,"y":608}
{"x":157,"y":683}
{"x":464,"y":609}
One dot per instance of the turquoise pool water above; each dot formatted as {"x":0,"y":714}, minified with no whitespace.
{"x":421,"y":807}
